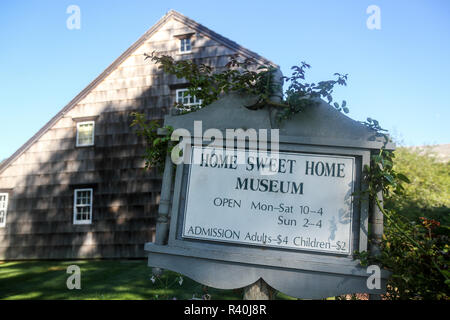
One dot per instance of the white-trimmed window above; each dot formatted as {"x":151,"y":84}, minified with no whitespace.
{"x":82,"y":206}
{"x":183,"y":97}
{"x":185,"y":45}
{"x":85,"y":133}
{"x":3,"y":208}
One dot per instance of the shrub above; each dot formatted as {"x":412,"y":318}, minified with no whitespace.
{"x":415,"y":242}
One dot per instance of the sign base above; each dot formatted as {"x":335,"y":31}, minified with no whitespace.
{"x":221,"y":274}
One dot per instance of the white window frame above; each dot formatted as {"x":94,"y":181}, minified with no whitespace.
{"x":5,"y":209}
{"x":75,"y":206}
{"x":183,"y":45}
{"x":196,"y":102}
{"x":93,"y":133}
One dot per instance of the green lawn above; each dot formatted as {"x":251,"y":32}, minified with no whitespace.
{"x":100,"y":279}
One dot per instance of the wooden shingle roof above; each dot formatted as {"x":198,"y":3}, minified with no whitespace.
{"x":172,"y":14}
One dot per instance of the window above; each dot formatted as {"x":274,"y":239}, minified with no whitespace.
{"x":183,"y":97}
{"x":3,"y":208}
{"x":185,"y":45}
{"x":82,"y":206}
{"x":85,"y":133}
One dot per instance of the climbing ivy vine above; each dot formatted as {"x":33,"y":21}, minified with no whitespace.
{"x":240,"y":75}
{"x":246,"y":76}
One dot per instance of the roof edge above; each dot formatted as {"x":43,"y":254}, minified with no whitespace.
{"x":118,"y":61}
{"x":215,"y":36}
{"x":83,"y":93}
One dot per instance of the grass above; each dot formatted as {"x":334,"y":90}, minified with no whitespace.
{"x":100,"y":280}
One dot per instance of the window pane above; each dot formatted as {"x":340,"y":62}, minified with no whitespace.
{"x":83,"y":213}
{"x":186,"y":99}
{"x":85,"y":133}
{"x":188,"y":44}
{"x":180,"y":96}
{"x":83,"y":197}
{"x":185,"y":44}
{"x":3,"y":208}
{"x":79,"y":197}
{"x":83,"y":205}
{"x":3,"y":201}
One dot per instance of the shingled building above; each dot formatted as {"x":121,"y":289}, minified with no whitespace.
{"x":78,"y":188}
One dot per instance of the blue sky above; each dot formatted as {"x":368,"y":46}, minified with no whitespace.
{"x":398,"y":74}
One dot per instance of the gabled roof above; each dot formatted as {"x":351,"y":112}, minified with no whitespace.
{"x":171,"y":14}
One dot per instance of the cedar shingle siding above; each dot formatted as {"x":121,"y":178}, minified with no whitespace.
{"x":40,"y":178}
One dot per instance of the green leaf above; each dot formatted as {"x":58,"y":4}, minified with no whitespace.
{"x":156,"y":141}
{"x":389,"y":178}
{"x":404,"y":178}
